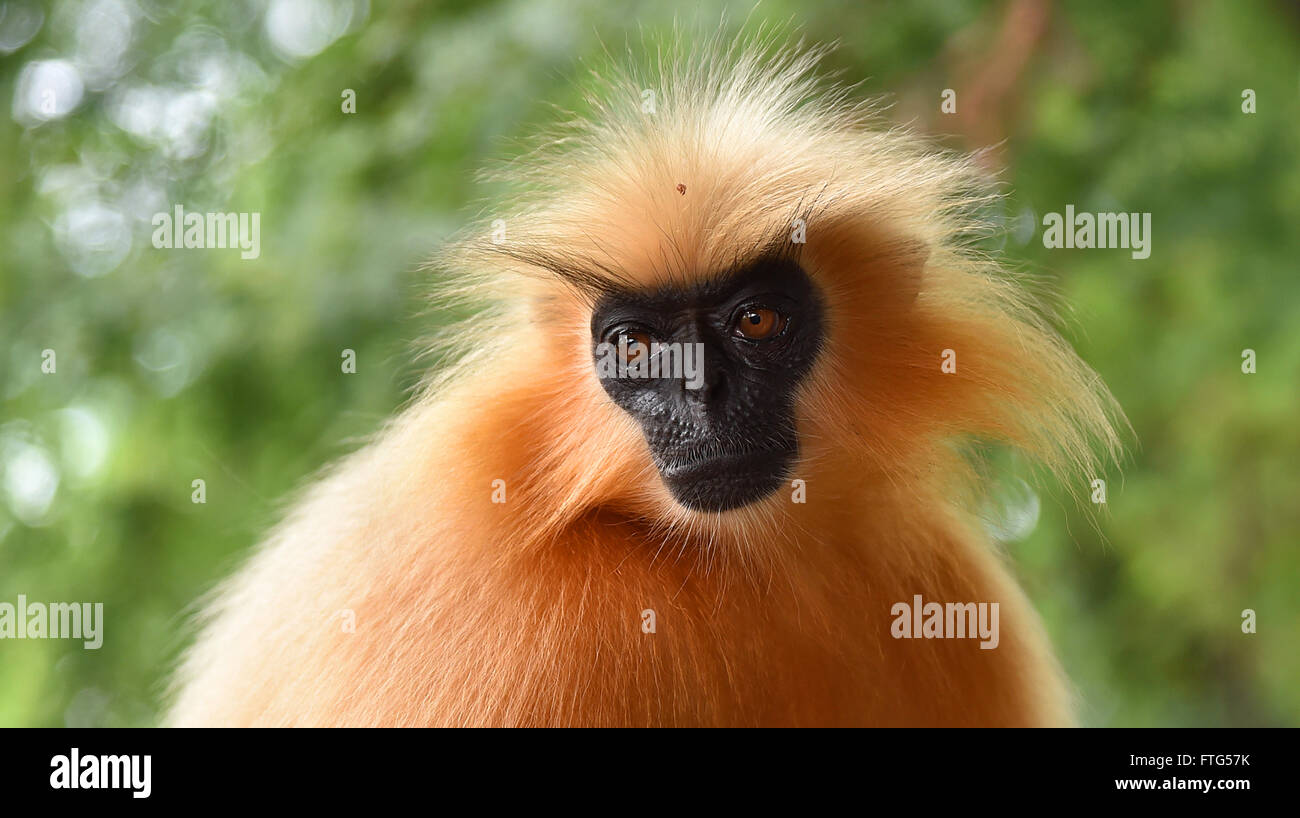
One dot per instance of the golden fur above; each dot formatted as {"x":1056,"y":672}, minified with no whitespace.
{"x":470,"y":612}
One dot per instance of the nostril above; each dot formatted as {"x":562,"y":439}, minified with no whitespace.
{"x":705,"y":386}
{"x":715,"y":389}
{"x":700,"y":381}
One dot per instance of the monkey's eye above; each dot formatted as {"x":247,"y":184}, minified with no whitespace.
{"x":632,"y":344}
{"x":759,"y":323}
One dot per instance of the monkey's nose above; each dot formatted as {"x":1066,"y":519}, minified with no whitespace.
{"x":707,"y":382}
{"x":707,"y":385}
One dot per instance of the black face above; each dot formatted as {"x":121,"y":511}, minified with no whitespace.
{"x":722,"y":433}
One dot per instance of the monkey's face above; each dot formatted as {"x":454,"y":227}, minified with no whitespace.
{"x":710,"y":370}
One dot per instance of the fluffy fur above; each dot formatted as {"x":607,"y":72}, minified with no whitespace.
{"x":470,"y":612}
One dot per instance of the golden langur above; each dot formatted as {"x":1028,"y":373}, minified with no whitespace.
{"x":544,"y":538}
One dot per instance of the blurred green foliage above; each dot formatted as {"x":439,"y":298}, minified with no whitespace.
{"x":173,"y":366}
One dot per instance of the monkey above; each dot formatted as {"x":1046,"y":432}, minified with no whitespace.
{"x":533,"y":542}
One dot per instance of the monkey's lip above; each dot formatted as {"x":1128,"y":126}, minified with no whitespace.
{"x":725,"y":481}
{"x":729,"y":463}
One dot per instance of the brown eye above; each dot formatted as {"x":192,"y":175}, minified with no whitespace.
{"x":759,"y":324}
{"x":637,"y":345}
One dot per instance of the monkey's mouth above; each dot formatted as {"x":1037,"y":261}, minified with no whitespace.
{"x":722,"y":482}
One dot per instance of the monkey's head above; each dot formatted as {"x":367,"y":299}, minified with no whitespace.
{"x":710,"y":370}
{"x":743,"y":281}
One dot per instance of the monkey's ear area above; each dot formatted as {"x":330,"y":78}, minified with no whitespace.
{"x":884,"y":268}
{"x":904,"y":262}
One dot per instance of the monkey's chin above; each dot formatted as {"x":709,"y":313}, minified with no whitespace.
{"x":727,"y":482}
